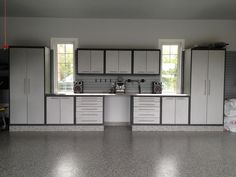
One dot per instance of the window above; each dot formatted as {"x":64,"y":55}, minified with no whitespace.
{"x":64,"y":53}
{"x":171,"y":51}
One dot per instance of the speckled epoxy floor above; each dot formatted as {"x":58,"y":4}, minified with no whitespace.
{"x":117,"y":152}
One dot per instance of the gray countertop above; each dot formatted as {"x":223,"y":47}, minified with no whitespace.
{"x":118,"y":94}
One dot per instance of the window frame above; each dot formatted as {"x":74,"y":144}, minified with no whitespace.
{"x":54,"y":42}
{"x":181,"y":44}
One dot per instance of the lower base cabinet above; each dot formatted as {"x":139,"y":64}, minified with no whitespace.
{"x":146,"y":110}
{"x":89,"y":110}
{"x":60,"y":110}
{"x":175,"y":110}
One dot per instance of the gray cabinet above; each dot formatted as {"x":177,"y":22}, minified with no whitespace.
{"x":175,"y":110}
{"x":146,"y":62}
{"x":89,"y":110}
{"x":146,"y":110}
{"x":90,"y":61}
{"x":207,"y":86}
{"x":60,"y":110}
{"x":27,"y":85}
{"x":118,"y":62}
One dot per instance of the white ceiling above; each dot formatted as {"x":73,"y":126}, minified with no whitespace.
{"x":137,"y":9}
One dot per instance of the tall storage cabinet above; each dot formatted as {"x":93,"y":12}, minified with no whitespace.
{"x":207,"y":86}
{"x":27,"y":84}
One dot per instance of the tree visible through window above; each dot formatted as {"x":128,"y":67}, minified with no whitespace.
{"x":65,"y":58}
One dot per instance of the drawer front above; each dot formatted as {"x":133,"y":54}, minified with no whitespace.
{"x":145,"y":99}
{"x":89,"y":99}
{"x":147,"y":102}
{"x":85,"y":108}
{"x":147,"y":120}
{"x":144,"y":114}
{"x":89,"y":117}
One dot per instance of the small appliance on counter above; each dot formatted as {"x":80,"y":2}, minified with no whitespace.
{"x":120,"y":87}
{"x":156,"y":87}
{"x":78,"y":86}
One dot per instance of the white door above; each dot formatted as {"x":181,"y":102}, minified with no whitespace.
{"x":181,"y":110}
{"x":35,"y":85}
{"x":168,"y":110}
{"x":112,"y":61}
{"x":199,"y":86}
{"x":153,"y":61}
{"x":97,"y":61}
{"x":140,"y":62}
{"x":215,"y":87}
{"x":53,"y":110}
{"x":18,"y":92}
{"x":67,"y":110}
{"x":83,"y":61}
{"x":125,"y":62}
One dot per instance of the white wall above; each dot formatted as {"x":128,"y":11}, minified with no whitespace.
{"x":119,"y":32}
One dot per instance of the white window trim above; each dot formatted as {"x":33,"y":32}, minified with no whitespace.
{"x":181,"y":43}
{"x":54,"y":42}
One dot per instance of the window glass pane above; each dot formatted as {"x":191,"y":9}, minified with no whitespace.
{"x":69,"y":48}
{"x":60,"y":48}
{"x":174,"y":49}
{"x":165,"y":49}
{"x":69,"y":58}
{"x":61,"y":58}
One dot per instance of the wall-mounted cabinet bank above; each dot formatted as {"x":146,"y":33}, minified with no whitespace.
{"x":118,"y":61}
{"x":90,"y":61}
{"x":146,"y":62}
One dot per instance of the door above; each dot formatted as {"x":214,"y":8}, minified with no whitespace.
{"x":97,"y":61}
{"x":140,"y":62}
{"x":199,"y":86}
{"x":67,"y":110}
{"x":125,"y":62}
{"x":153,"y":61}
{"x":112,"y":62}
{"x":53,"y":110}
{"x":18,"y":89}
{"x":83,"y":61}
{"x":215,"y":87}
{"x":168,"y":110}
{"x":181,"y":110}
{"x":35,"y":85}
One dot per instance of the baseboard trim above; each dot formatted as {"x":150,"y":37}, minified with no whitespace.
{"x":13,"y":128}
{"x":177,"y":128}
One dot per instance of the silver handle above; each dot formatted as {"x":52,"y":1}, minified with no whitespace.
{"x":205,"y":87}
{"x":25,"y":91}
{"x":28,"y":86}
{"x":209,"y":87}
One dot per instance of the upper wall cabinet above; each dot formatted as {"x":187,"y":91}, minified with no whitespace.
{"x":146,"y":62}
{"x":118,"y":61}
{"x":90,"y":61}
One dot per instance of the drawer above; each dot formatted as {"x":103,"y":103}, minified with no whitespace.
{"x":89,"y":99}
{"x":146,"y":104}
{"x":88,"y":120}
{"x":81,"y":108}
{"x":146,"y":114}
{"x":89,"y":104}
{"x":146,"y":98}
{"x":147,"y":120}
{"x":89,"y":114}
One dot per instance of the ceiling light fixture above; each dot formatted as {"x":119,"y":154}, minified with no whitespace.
{"x":5,"y":45}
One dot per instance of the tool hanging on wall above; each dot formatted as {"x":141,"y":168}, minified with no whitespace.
{"x":5,"y":45}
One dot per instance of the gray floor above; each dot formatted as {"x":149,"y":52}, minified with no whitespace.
{"x":118,"y":152}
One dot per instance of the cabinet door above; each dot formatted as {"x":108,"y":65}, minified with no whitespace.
{"x":97,"y":61}
{"x":53,"y":110}
{"x":35,"y":85}
{"x":153,"y":61}
{"x":18,"y":92}
{"x":199,"y":86}
{"x":112,"y":62}
{"x":181,"y":110}
{"x":215,"y":87}
{"x":140,"y":62}
{"x":125,"y":62}
{"x":83,"y":61}
{"x":168,"y":110}
{"x":67,"y":110}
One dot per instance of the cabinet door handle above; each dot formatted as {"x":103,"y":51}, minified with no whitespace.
{"x":28,"y":86}
{"x":209,"y":87}
{"x":204,"y":87}
{"x":25,"y":86}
